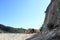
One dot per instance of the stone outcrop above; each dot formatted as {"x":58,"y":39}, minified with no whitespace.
{"x":51,"y":26}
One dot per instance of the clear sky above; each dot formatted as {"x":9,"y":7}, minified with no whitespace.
{"x":23,"y":13}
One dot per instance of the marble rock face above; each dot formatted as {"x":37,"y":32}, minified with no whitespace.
{"x":51,"y":25}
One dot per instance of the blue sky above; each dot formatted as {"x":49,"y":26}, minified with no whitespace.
{"x":23,"y":13}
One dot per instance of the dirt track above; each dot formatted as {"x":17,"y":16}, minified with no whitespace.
{"x":12,"y":36}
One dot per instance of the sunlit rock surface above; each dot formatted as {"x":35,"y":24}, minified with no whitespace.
{"x":14,"y":36}
{"x":51,"y":25}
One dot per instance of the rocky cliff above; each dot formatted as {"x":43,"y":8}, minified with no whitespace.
{"x":51,"y":25}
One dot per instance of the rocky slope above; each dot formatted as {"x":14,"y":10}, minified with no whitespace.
{"x":51,"y":26}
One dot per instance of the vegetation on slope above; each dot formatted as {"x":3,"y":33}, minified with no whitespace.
{"x":7,"y":29}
